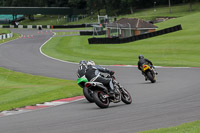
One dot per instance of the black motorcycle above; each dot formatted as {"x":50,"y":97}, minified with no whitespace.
{"x":102,"y":96}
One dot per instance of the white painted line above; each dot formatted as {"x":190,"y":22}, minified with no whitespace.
{"x":8,"y":41}
{"x":10,"y":112}
{"x":52,"y":103}
{"x":77,"y":100}
{"x":48,"y":104}
{"x":50,"y":56}
{"x":171,"y":67}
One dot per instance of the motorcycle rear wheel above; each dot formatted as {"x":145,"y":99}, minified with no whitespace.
{"x":99,"y":100}
{"x":88,"y":95}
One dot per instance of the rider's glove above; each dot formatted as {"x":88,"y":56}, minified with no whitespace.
{"x":112,"y":72}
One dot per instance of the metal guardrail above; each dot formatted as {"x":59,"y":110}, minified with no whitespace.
{"x":46,"y":26}
{"x":86,"y":33}
{"x":117,"y":40}
{"x":25,"y":26}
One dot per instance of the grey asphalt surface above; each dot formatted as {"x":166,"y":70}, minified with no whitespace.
{"x":172,"y":100}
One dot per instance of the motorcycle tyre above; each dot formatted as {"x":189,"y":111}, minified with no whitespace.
{"x":87,"y":95}
{"x":150,"y":77}
{"x":97,"y":100}
{"x":124,"y":99}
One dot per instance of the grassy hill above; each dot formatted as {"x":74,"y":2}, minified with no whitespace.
{"x":177,"y":11}
{"x":147,"y":14}
{"x":180,"y":48}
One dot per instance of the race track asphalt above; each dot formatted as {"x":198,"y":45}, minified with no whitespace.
{"x":172,"y":100}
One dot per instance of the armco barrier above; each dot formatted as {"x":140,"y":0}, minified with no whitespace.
{"x":46,"y":26}
{"x":6,"y":26}
{"x":118,"y":40}
{"x":82,"y":33}
{"x":72,"y":26}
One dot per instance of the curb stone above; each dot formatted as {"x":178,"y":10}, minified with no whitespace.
{"x":41,"y":106}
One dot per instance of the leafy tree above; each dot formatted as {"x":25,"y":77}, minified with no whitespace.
{"x":191,"y":1}
{"x":129,"y":4}
{"x":80,"y":4}
{"x":170,"y":11}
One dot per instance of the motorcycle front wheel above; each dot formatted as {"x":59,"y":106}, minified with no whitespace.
{"x":100,"y":99}
{"x":151,"y":77}
{"x":126,"y":97}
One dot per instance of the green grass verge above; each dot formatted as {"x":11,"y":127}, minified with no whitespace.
{"x":67,"y":33}
{"x":180,"y":48}
{"x":193,"y":127}
{"x":4,"y":31}
{"x":18,"y":89}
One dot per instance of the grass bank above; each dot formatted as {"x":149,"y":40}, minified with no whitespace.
{"x":162,"y":11}
{"x":4,"y":31}
{"x":193,"y":127}
{"x":67,"y":33}
{"x":147,"y":14}
{"x":180,"y":48}
{"x":18,"y":89}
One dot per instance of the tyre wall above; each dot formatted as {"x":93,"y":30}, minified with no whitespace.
{"x":117,"y":40}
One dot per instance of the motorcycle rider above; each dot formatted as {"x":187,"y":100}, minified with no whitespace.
{"x":93,"y":75}
{"x":82,"y":68}
{"x":142,"y":61}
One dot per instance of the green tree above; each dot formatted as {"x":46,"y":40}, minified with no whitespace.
{"x":170,"y":10}
{"x":128,"y":4}
{"x":80,"y":4}
{"x":191,"y":1}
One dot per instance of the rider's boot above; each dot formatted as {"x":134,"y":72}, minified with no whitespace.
{"x":111,"y":93}
{"x":155,"y":70}
{"x":145,"y":78}
{"x":117,"y":96}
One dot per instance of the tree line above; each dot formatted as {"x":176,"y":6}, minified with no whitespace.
{"x":111,"y":7}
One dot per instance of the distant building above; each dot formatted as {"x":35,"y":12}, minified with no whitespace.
{"x":127,"y":27}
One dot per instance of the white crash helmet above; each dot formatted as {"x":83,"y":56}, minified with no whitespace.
{"x":90,"y":63}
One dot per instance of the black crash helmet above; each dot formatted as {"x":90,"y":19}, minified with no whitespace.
{"x":140,"y":56}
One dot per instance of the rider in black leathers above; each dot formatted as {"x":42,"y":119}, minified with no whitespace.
{"x":93,"y":75}
{"x":142,"y":61}
{"x":82,"y":68}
